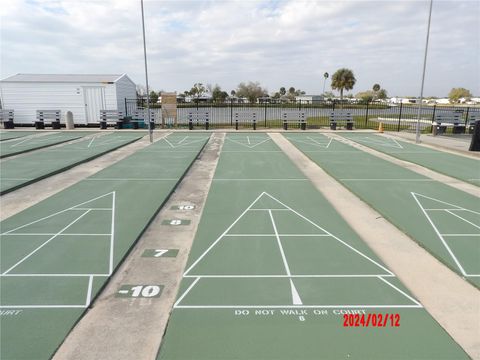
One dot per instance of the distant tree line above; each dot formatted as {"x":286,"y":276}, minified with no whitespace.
{"x":342,"y":80}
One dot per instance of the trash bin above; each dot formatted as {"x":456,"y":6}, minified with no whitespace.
{"x":55,"y":125}
{"x":103,"y":124}
{"x":8,"y":124}
{"x":39,"y":125}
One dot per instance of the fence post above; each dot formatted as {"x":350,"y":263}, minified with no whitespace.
{"x":231,"y":112}
{"x":265,"y":115}
{"x":399,"y":117}
{"x":366,"y":114}
{"x":126,"y":111}
{"x":466,"y":118}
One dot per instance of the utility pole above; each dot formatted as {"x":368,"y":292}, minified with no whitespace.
{"x":150,"y":127}
{"x":417,"y":138}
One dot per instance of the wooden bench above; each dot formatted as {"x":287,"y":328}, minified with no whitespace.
{"x":343,"y":117}
{"x":242,"y":117}
{"x":451,"y":118}
{"x":198,"y":117}
{"x":48,"y":115}
{"x":6,"y":117}
{"x":111,"y":117}
{"x":294,"y":117}
{"x":472,"y":117}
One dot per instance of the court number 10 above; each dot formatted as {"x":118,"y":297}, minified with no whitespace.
{"x":145,"y":291}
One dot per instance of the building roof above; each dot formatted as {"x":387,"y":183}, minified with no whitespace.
{"x":86,"y":78}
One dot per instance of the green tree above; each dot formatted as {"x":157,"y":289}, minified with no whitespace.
{"x":343,"y":79}
{"x":197,"y":90}
{"x":218,"y":95}
{"x":376,"y":87}
{"x":233,"y":93}
{"x":365,"y":96}
{"x":282,"y":91}
{"x":291,"y":90}
{"x":382,"y":94}
{"x":153,"y":97}
{"x":252,"y":91}
{"x":457,"y":93}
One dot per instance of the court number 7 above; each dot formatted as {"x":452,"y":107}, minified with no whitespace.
{"x":159,"y":253}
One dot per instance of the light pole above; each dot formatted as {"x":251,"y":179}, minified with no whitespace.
{"x":150,"y":128}
{"x":417,"y":137}
{"x":324,"y":81}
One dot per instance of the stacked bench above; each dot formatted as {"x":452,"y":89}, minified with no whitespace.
{"x":48,"y":118}
{"x":243,"y":117}
{"x":341,"y":117}
{"x":294,"y":117}
{"x":444,"y":119}
{"x":198,"y":117}
{"x":111,"y":117}
{"x":6,"y":117}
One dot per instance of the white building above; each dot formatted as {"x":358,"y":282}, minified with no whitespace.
{"x":309,"y":99}
{"x":84,"y":95}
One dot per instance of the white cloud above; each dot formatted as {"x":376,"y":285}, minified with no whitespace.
{"x":279,"y":43}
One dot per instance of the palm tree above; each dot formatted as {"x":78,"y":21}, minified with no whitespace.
{"x":376,"y":89}
{"x":324,"y":81}
{"x":343,"y":79}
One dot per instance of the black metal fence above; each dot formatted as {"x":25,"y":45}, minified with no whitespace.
{"x":394,"y":117}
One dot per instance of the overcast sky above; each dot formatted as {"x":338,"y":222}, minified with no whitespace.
{"x":278,"y":43}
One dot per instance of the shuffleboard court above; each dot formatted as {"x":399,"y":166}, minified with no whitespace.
{"x":7,"y":135}
{"x":442,"y":219}
{"x":274,"y":268}
{"x":18,"y":172}
{"x":457,"y":166}
{"x":29,"y":143}
{"x":58,"y":254}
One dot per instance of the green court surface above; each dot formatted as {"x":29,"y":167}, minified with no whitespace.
{"x":24,"y":170}
{"x":29,"y":143}
{"x":7,"y":135}
{"x":442,"y":219}
{"x":457,"y":166}
{"x":273,"y":268}
{"x":57,"y":254}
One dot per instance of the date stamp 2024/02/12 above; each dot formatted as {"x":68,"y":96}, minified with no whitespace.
{"x":372,"y":320}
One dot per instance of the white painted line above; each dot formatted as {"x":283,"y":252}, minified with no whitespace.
{"x":461,"y":218}
{"x":248,"y":146}
{"x":55,"y":214}
{"x":129,"y":179}
{"x":281,"y":235}
{"x":269,"y":209}
{"x":41,"y":306}
{"x":336,"y":238}
{"x":169,"y":143}
{"x":20,"y":142}
{"x":282,"y":253}
{"x":45,"y":243}
{"x":296,"y":300}
{"x":112,"y":236}
{"x":289,"y":276}
{"x":248,"y":140}
{"x":52,"y":275}
{"x":460,"y":234}
{"x":297,"y":306}
{"x":89,"y":291}
{"x":221,"y":236}
{"x":387,"y":180}
{"x":260,"y":179}
{"x":185,"y":138}
{"x":186,"y":292}
{"x":400,"y":291}
{"x":438,"y":232}
{"x":49,"y":234}
{"x":91,"y":141}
